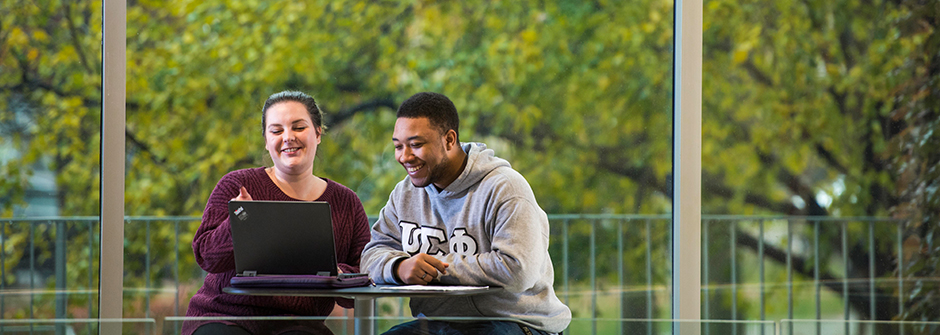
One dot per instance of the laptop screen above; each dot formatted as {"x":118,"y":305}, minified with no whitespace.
{"x":282,"y":238}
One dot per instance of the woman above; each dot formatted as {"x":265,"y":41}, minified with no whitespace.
{"x":291,"y":123}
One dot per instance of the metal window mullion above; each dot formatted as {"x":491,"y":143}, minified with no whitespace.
{"x":686,"y":227}
{"x":112,"y":155}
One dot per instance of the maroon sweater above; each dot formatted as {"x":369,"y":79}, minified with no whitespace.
{"x":213,"y":248}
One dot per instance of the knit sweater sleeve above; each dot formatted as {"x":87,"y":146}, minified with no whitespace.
{"x":212,"y":244}
{"x":351,"y":230}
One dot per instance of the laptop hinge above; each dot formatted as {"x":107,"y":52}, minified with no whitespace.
{"x":249,"y":273}
{"x":323,"y":273}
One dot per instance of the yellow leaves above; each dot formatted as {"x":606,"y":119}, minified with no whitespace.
{"x":739,"y":56}
{"x":32,"y":54}
{"x":40,"y":36}
{"x":359,"y":6}
{"x":745,"y":44}
{"x":529,"y":35}
{"x":188,"y":38}
{"x":603,"y":82}
{"x":67,"y":53}
{"x":18,"y":38}
{"x":655,"y":16}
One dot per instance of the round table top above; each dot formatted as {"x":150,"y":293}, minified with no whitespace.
{"x":379,"y":291}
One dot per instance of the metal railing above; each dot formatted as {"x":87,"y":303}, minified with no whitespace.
{"x":606,"y":266}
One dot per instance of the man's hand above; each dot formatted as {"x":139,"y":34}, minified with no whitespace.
{"x":242,"y":195}
{"x":420,"y":269}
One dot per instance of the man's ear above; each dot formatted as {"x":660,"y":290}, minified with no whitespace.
{"x":450,"y":139}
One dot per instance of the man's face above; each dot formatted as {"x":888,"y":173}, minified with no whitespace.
{"x":420,"y":149}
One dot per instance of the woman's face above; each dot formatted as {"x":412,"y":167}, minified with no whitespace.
{"x":291,"y":138}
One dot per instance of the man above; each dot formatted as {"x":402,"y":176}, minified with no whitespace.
{"x":462,"y":217}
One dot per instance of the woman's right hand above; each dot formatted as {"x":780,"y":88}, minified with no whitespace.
{"x":242,"y":195}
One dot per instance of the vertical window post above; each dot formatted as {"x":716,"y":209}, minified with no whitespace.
{"x":114,"y":47}
{"x":687,"y":166}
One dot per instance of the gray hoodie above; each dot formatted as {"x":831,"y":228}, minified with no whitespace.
{"x":488,"y":227}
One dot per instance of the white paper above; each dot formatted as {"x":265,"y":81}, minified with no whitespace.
{"x":432,"y":288}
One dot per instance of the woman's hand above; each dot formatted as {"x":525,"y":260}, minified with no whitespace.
{"x":242,"y":195}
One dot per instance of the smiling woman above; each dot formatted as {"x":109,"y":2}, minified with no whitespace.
{"x":292,"y":129}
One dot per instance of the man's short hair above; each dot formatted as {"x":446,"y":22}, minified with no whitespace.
{"x":439,"y":110}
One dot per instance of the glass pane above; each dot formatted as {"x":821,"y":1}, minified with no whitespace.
{"x":818,"y":163}
{"x":577,"y":96}
{"x":846,"y":327}
{"x":50,"y":108}
{"x":78,"y":326}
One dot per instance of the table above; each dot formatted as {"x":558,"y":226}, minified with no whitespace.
{"x":364,"y":297}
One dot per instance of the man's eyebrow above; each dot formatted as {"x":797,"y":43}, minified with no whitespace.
{"x":416,"y":137}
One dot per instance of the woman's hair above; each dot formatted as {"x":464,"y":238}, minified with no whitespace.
{"x":295,"y":96}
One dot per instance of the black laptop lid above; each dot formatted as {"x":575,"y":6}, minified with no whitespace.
{"x":282,"y":238}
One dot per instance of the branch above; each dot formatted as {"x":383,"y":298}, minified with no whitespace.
{"x":612,"y":161}
{"x":830,"y":159}
{"x":795,"y":185}
{"x":341,"y":116}
{"x":712,"y":185}
{"x":859,"y":295}
{"x":756,"y":73}
{"x":144,"y":147}
{"x":78,"y":47}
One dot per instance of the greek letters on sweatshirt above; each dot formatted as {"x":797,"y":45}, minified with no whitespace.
{"x":488,"y":226}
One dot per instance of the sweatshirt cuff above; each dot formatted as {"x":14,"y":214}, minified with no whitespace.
{"x":389,"y":274}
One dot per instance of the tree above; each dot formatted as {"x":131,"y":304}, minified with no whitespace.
{"x":916,"y":152}
{"x":577,"y":95}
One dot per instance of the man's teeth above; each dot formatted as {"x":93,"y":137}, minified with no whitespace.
{"x":413,"y":169}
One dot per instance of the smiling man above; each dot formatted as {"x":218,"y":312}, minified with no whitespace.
{"x":462,"y":216}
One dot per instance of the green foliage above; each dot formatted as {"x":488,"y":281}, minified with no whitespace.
{"x":800,"y":99}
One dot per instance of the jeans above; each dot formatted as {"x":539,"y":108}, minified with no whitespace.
{"x":223,"y":329}
{"x":427,"y":327}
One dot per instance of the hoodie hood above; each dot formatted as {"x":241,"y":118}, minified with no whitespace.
{"x":480,"y":162}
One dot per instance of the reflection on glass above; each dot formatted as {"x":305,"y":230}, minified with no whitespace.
{"x":815,"y":178}
{"x":78,"y":326}
{"x":50,"y":106}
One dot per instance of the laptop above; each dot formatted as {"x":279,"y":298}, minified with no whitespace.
{"x":286,"y":244}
